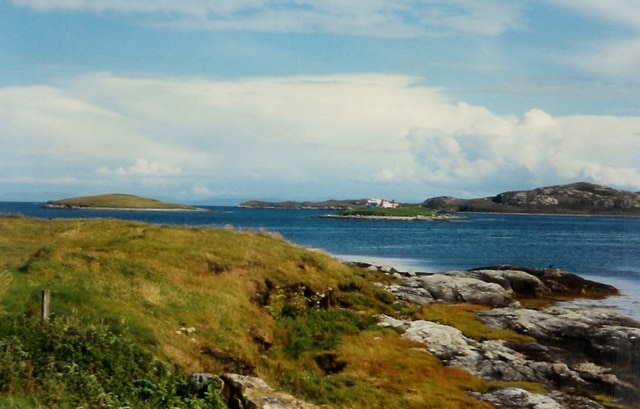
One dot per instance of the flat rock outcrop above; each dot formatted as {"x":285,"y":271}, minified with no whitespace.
{"x":514,"y":397}
{"x":575,"y":198}
{"x":497,"y":286}
{"x":248,"y":392}
{"x":578,"y":352}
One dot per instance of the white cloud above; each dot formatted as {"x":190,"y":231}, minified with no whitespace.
{"x":618,"y":58}
{"x":402,"y":18}
{"x":299,"y":137}
{"x":201,"y":191}
{"x":142,"y":167}
{"x":625,"y":12}
{"x":616,"y":52}
{"x":486,"y":148}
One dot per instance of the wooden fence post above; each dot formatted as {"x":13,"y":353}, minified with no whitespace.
{"x":46,"y":304}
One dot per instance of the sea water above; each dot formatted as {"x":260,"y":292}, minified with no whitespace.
{"x":605,"y":249}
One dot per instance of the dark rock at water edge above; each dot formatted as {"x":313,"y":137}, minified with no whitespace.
{"x":497,"y":286}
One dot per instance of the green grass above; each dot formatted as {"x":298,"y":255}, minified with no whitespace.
{"x":122,"y":292}
{"x":464,"y":318}
{"x":67,"y":363}
{"x":117,"y":201}
{"x":401,"y":211}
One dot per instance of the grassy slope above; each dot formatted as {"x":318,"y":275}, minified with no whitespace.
{"x":153,"y":280}
{"x":118,"y":201}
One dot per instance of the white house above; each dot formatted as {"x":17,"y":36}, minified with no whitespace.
{"x":387,"y":204}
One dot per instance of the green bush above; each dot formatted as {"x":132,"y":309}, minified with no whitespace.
{"x":320,"y":330}
{"x":67,"y":363}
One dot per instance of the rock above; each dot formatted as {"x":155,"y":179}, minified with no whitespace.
{"x":496,"y":286}
{"x":575,"y":198}
{"x":495,"y":360}
{"x":198,"y":381}
{"x":488,"y":359}
{"x":518,"y":282}
{"x":599,"y":345}
{"x":557,"y":283}
{"x":451,"y":287}
{"x":248,"y":392}
{"x":519,"y":398}
{"x":443,"y":341}
{"x":578,"y":353}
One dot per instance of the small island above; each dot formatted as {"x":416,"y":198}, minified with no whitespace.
{"x":394,"y":212}
{"x":117,"y":201}
{"x":579,"y":198}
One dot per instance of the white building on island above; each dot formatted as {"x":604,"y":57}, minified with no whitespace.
{"x":387,"y":204}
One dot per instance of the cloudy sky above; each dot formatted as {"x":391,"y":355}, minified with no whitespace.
{"x":218,"y":101}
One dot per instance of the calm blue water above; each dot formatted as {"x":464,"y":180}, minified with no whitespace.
{"x":605,"y":249}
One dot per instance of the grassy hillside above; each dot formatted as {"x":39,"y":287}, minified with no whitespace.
{"x":137,"y":307}
{"x":116,"y":201}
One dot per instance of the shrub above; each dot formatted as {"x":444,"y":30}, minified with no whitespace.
{"x":320,"y":331}
{"x":68,"y":363}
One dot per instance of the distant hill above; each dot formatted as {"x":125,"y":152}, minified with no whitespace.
{"x":115,"y":201}
{"x":575,"y":198}
{"x":326,"y":204}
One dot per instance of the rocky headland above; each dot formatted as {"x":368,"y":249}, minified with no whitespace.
{"x":575,"y":198}
{"x":575,"y":354}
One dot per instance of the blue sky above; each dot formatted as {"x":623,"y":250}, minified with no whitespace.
{"x":220,"y":101}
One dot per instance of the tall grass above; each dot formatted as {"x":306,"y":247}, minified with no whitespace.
{"x":154,"y":298}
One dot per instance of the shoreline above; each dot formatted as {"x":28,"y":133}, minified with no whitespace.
{"x":627,"y":302}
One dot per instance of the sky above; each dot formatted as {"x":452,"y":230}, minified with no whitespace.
{"x":216,"y":102}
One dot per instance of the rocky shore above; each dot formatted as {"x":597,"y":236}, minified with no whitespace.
{"x":575,"y":356}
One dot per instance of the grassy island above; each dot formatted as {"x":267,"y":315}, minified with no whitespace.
{"x":136,"y":308}
{"x":115,"y":201}
{"x":405,"y":212}
{"x":401,"y":211}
